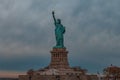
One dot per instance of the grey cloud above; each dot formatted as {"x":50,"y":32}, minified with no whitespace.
{"x":27,"y":29}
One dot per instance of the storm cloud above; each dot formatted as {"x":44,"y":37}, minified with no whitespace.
{"x":27,"y":33}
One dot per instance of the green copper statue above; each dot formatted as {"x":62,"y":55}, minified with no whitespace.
{"x":59,"y":31}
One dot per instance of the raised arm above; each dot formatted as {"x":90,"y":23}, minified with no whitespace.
{"x":53,"y":14}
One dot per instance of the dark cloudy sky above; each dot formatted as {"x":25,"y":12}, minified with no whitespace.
{"x":27,"y":33}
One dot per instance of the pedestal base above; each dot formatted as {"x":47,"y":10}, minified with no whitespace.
{"x":59,"y":58}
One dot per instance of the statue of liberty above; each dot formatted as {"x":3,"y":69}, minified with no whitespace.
{"x":59,"y":31}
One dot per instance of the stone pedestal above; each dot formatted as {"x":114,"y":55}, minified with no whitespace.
{"x":59,"y":58}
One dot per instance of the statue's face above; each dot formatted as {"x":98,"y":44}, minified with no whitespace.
{"x":58,"y":21}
